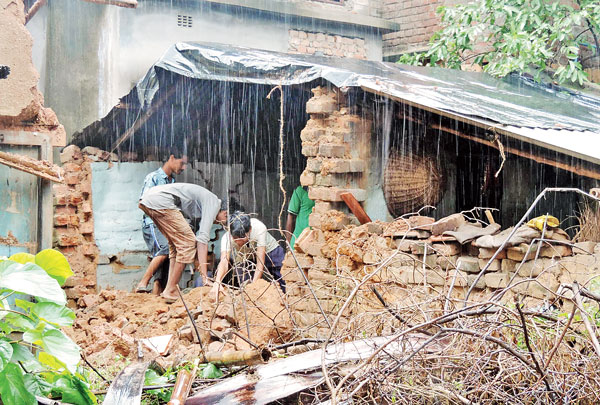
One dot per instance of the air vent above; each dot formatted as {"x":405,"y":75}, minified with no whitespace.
{"x":184,"y":21}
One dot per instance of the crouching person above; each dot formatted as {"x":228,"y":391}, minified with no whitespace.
{"x":247,"y":250}
{"x":168,"y":206}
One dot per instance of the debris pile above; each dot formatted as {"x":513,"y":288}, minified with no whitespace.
{"x":110,"y":323}
{"x":412,"y":257}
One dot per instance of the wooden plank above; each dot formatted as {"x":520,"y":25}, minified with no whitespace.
{"x":355,"y":207}
{"x":43,"y":169}
{"x":29,"y":138}
{"x":46,"y":202}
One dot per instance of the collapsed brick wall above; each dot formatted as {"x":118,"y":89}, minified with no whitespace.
{"x":415,"y":257}
{"x":73,"y":219}
{"x":21,"y":104}
{"x":329,"y":45}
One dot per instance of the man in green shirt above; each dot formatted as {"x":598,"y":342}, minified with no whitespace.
{"x":298,"y":211}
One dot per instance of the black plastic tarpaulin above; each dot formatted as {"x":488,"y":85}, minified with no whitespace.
{"x":509,"y":101}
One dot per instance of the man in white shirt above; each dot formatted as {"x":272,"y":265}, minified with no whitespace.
{"x":248,"y":244}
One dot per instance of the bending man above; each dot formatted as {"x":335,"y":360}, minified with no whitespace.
{"x":248,"y":245}
{"x":167,"y":205}
{"x":158,"y":246}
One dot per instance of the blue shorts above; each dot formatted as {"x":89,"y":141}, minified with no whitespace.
{"x":157,"y":243}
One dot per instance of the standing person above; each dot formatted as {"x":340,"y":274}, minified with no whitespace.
{"x":248,"y":244}
{"x":168,"y":206}
{"x":299,"y":209}
{"x":158,"y":246}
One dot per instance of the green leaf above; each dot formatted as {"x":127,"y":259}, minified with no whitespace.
{"x":55,"y":264}
{"x":29,"y":278}
{"x":211,"y":371}
{"x":73,"y":391}
{"x":20,"y":322}
{"x":52,"y":362}
{"x":21,"y":353}
{"x":153,"y":378}
{"x":54,"y":313}
{"x":26,"y":305}
{"x":6,"y":352}
{"x":56,"y":343}
{"x":37,"y":385}
{"x":22,"y":257}
{"x":12,"y":387}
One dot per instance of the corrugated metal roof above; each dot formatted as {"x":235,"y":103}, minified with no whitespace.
{"x":551,"y":117}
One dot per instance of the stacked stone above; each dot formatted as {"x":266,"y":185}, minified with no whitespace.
{"x":325,"y":44}
{"x":337,"y":144}
{"x":416,"y":259}
{"x":74,"y":222}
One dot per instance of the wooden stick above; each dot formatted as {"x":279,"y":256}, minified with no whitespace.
{"x":34,"y":9}
{"x":355,"y":207}
{"x":29,"y":165}
{"x":144,"y":117}
{"x":586,"y":320}
{"x":489,"y":216}
{"x":578,"y":170}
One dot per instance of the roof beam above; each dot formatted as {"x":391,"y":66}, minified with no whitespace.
{"x":316,"y":11}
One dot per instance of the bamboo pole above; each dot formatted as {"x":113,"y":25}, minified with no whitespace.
{"x":578,"y":170}
{"x":240,"y":357}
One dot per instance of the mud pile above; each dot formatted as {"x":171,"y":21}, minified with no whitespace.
{"x":110,"y":324}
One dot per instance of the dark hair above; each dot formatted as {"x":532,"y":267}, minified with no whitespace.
{"x":231,"y":205}
{"x":239,"y":224}
{"x":175,"y":150}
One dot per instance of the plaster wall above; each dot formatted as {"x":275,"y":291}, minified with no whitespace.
{"x":91,"y":54}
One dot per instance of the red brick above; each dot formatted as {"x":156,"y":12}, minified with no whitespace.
{"x":66,"y":220}
{"x":310,"y":150}
{"x":89,"y":249}
{"x":322,"y":104}
{"x":307,"y":178}
{"x":86,"y":228}
{"x":343,"y":166}
{"x":67,"y":237}
{"x":86,"y":207}
{"x":333,"y":193}
{"x":71,"y":167}
{"x":332,"y":150}
{"x":70,"y":153}
{"x":85,"y":187}
{"x":71,"y":178}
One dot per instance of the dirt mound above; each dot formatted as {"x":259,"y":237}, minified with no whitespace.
{"x":109,"y":324}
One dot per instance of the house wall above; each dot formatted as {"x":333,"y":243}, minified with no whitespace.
{"x":91,"y":54}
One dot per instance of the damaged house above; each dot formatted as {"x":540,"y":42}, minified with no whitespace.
{"x":397,"y":138}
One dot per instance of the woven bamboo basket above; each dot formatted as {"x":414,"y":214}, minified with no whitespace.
{"x":411,"y":182}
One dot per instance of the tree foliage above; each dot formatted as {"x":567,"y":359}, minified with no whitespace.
{"x":526,"y":36}
{"x":36,"y":357}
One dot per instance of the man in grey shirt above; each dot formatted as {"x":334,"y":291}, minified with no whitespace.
{"x":168,"y":206}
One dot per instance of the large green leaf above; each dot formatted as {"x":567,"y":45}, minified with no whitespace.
{"x":19,"y":321}
{"x":54,"y":313}
{"x":22,"y":257}
{"x":73,"y":391}
{"x":51,"y":362}
{"x":211,"y":371}
{"x":55,"y":263}
{"x":21,"y":353}
{"x":12,"y":387}
{"x":29,"y":278}
{"x":37,"y":385}
{"x":6,"y":352}
{"x":55,"y":342}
